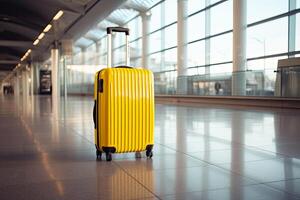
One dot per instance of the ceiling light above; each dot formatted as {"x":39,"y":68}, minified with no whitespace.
{"x":58,"y":15}
{"x":29,"y":50}
{"x":148,"y":13}
{"x":23,"y":58}
{"x":36,"y":42}
{"x":41,"y":36}
{"x":48,"y":27}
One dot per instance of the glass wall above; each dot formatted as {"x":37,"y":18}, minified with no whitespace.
{"x":272,"y":31}
{"x":268,"y":41}
{"x":163,"y":43}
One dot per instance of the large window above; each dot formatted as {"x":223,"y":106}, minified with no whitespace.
{"x":264,"y":64}
{"x":119,"y":56}
{"x":268,"y":38}
{"x":195,"y":5}
{"x":258,"y":10}
{"x":118,"y":39}
{"x":213,"y":50}
{"x":170,"y":36}
{"x":170,"y":59}
{"x":221,"y":17}
{"x":136,"y":53}
{"x":155,"y":42}
{"x":196,"y":54}
{"x":170,"y":11}
{"x":221,"y":48}
{"x":221,"y":69}
{"x":196,"y":26}
{"x":135,"y":27}
{"x":155,"y":62}
{"x":156,"y":18}
{"x":210,"y":44}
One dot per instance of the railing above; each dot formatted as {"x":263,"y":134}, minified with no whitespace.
{"x":282,"y":83}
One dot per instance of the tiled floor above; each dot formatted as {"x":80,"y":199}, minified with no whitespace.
{"x":47,"y":152}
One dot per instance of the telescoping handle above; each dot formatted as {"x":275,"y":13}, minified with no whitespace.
{"x":109,"y":45}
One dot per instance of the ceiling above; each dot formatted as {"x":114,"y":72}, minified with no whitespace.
{"x":119,"y":17}
{"x":21,"y":22}
{"x":83,"y":21}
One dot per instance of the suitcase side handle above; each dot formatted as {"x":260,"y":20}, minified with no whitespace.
{"x":109,"y":30}
{"x":94,"y":114}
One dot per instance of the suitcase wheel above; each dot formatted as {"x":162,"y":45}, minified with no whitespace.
{"x":98,"y":154}
{"x":108,"y":156}
{"x":149,"y":153}
{"x":138,"y":154}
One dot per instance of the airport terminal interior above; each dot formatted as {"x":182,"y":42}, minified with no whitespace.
{"x":226,"y":83}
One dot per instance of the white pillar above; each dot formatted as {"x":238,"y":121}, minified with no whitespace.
{"x":55,"y":73}
{"x":182,"y":15}
{"x":239,"y":47}
{"x":25,"y":81}
{"x":83,"y":62}
{"x":31,"y":76}
{"x":1,"y":89}
{"x":207,"y":33}
{"x":17,"y":87}
{"x":146,"y":18}
{"x":35,"y":77}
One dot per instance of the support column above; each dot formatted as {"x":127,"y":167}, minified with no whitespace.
{"x":292,"y":27}
{"x":25,"y":81}
{"x":146,"y":18}
{"x":31,"y":76}
{"x":239,"y":47}
{"x":65,"y":77}
{"x":1,"y":89}
{"x":207,"y":42}
{"x":17,"y":87}
{"x":182,"y":79}
{"x":55,"y":73}
{"x":83,"y":62}
{"x":36,"y":78}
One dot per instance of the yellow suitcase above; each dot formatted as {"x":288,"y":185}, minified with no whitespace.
{"x":124,"y":107}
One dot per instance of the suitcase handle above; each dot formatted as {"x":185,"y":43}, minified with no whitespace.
{"x":109,"y":44}
{"x":128,"y":67}
{"x":109,"y":30}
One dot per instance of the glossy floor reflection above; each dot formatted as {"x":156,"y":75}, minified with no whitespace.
{"x":201,"y":152}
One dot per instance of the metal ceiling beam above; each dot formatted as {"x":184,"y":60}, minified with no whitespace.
{"x":7,"y":67}
{"x":16,"y":28}
{"x":114,"y":21}
{"x":96,"y":13}
{"x":12,"y":43}
{"x":9,"y":61}
{"x":6,"y":56}
{"x":94,"y":39}
{"x":136,"y":8}
{"x":80,"y":46}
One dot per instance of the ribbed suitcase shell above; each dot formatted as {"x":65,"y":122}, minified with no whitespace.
{"x":125,"y":109}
